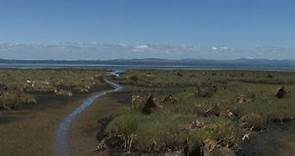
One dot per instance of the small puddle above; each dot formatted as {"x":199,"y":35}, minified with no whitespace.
{"x":62,"y":146}
{"x":277,"y":140}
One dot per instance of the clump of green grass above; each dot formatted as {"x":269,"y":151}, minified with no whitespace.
{"x":222,"y":131}
{"x":160,"y":132}
{"x":253,"y":121}
{"x":153,"y":132}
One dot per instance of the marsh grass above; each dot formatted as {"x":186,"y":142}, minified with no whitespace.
{"x":152,"y":132}
{"x":48,"y":80}
{"x":225,"y":118}
{"x":18,"y":86}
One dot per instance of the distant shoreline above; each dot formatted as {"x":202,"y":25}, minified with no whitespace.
{"x":153,"y":63}
{"x":141,"y":67}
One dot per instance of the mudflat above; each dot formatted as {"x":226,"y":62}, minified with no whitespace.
{"x":34,"y":102}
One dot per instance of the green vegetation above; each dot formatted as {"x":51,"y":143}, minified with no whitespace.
{"x":17,"y":86}
{"x":209,"y":111}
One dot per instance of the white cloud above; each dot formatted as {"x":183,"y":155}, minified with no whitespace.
{"x":214,"y":48}
{"x":141,"y":46}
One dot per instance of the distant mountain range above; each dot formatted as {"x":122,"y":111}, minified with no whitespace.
{"x":251,"y":63}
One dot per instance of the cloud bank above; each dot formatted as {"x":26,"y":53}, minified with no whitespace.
{"x":98,"y":51}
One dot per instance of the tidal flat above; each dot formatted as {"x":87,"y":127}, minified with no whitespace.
{"x":34,"y":102}
{"x":175,"y":112}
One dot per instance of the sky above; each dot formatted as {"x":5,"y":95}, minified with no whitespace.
{"x":197,"y":26}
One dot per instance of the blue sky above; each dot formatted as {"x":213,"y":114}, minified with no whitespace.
{"x":232,"y":23}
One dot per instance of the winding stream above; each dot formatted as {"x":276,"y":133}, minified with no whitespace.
{"x":62,"y":146}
